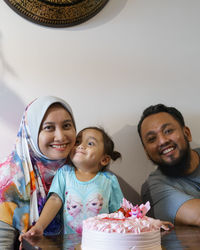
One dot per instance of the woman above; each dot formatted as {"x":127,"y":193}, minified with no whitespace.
{"x":45,"y":138}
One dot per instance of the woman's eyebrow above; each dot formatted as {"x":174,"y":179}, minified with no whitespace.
{"x":68,"y":120}
{"x":46,"y":123}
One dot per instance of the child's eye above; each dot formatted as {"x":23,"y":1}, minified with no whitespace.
{"x":91,"y":143}
{"x":77,"y":142}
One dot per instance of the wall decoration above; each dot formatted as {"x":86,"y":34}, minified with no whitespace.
{"x":57,"y":13}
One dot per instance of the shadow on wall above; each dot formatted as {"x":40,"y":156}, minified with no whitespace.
{"x":129,"y":192}
{"x":108,"y":13}
{"x":11,"y":105}
{"x":134,"y":167}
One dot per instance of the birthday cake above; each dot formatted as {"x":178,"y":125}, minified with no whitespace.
{"x":127,"y":229}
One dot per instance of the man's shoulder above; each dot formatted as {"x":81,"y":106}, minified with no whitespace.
{"x":156,"y":174}
{"x":155,"y":182}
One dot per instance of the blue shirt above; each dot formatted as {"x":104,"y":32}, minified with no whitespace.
{"x":81,"y":200}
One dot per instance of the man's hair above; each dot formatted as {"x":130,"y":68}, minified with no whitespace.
{"x":158,"y":108}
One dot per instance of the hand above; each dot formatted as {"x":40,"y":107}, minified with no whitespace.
{"x":36,"y":231}
{"x":166,"y":225}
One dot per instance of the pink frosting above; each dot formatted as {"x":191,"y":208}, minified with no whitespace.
{"x":129,"y":219}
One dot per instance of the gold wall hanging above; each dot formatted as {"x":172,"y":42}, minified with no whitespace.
{"x":57,"y":13}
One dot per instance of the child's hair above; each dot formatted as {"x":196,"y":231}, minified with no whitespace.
{"x":108,"y":144}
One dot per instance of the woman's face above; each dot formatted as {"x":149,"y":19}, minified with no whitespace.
{"x":57,"y":133}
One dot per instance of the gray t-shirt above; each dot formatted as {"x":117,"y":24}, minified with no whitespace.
{"x":167,"y":194}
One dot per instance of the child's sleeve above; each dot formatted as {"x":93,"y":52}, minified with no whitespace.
{"x":116,"y":195}
{"x":58,"y":184}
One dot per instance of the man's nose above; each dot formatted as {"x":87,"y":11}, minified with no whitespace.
{"x":162,"y":139}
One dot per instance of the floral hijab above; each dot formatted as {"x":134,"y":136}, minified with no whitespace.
{"x":26,"y":174}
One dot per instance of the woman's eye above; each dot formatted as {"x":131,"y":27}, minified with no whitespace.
{"x":48,"y":128}
{"x":67,"y":125}
{"x":91,"y":143}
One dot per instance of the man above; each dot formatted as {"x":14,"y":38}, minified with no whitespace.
{"x":173,"y":189}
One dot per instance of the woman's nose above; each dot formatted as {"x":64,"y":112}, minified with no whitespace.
{"x":59,"y":134}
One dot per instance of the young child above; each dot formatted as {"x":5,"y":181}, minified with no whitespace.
{"x":84,"y":189}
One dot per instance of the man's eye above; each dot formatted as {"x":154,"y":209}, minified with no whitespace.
{"x":168,"y":131}
{"x":151,"y":139}
{"x":91,"y":143}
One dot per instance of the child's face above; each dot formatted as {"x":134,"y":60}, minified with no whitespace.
{"x":88,"y":152}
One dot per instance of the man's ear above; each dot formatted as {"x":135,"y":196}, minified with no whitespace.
{"x":187,"y":133}
{"x":105,"y":160}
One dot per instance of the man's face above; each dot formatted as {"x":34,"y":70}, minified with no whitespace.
{"x":166,"y":143}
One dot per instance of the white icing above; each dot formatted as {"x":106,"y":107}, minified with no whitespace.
{"x":92,"y":240}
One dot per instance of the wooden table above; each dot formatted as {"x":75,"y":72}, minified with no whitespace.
{"x":182,"y":237}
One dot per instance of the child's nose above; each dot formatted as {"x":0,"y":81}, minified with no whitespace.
{"x":81,"y":145}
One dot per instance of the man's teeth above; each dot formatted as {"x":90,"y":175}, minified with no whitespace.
{"x":59,"y":146}
{"x":167,"y":150}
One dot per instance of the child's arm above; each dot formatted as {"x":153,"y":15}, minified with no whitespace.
{"x":49,"y":211}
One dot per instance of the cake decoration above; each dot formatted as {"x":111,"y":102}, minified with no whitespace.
{"x":127,"y":228}
{"x":129,"y":210}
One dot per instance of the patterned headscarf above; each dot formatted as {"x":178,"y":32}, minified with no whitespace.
{"x":26,"y":174}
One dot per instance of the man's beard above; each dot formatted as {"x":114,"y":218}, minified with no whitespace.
{"x":177,"y":167}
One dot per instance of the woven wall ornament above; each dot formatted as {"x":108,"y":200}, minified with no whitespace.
{"x":57,"y":13}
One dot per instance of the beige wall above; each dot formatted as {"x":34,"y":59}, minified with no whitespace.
{"x":132,"y":54}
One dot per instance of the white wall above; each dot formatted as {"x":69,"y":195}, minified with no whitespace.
{"x":134,"y":53}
